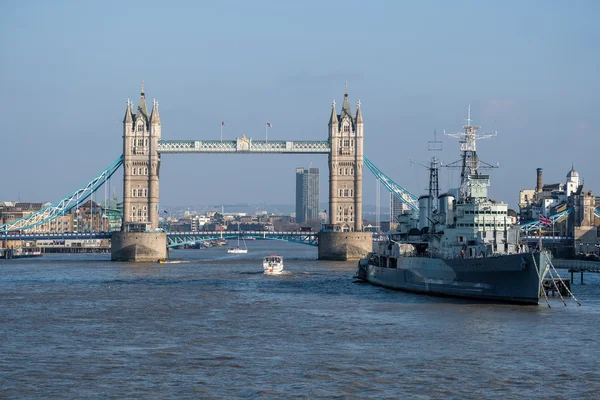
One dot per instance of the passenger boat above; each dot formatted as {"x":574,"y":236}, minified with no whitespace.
{"x":273,"y":264}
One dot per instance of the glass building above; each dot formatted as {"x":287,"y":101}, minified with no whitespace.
{"x":307,"y":194}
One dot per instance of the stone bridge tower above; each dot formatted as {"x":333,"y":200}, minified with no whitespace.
{"x":141,"y":164}
{"x":139,"y":239}
{"x":346,"y":168}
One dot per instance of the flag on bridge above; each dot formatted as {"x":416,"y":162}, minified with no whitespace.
{"x":545,"y":220}
{"x":222,"y":123}
{"x":269,"y":124}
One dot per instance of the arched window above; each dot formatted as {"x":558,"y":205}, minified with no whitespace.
{"x":351,"y":171}
{"x":146,"y":171}
{"x":346,"y":171}
{"x":341,"y":192}
{"x":133,"y":192}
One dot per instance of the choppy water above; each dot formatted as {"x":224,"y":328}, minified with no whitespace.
{"x":79,"y":326}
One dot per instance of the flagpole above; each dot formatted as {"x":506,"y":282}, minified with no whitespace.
{"x":221,"y":132}
{"x":266,"y":132}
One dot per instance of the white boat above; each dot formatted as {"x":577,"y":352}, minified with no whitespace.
{"x":273,"y":264}
{"x":238,"y":249}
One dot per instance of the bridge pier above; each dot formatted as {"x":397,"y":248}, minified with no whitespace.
{"x":344,"y":246}
{"x":139,"y":246}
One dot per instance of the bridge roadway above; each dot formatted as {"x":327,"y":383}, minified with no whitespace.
{"x":178,"y":238}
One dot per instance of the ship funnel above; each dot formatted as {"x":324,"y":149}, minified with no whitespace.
{"x":446,"y":208}
{"x":538,"y":188}
{"x":424,"y":211}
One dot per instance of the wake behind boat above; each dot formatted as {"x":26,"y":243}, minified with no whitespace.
{"x":465,"y":247}
{"x":273,"y":264}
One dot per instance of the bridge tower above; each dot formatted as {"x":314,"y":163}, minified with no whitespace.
{"x":139,"y":239}
{"x":141,"y":163}
{"x":346,"y":167}
{"x":345,"y":240}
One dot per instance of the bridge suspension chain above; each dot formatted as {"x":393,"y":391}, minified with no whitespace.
{"x":535,"y":225}
{"x":62,"y":206}
{"x":398,"y":191}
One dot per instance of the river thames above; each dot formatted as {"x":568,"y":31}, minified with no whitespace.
{"x":213,"y":326}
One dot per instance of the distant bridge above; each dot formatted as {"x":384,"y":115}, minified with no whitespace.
{"x":175,"y":239}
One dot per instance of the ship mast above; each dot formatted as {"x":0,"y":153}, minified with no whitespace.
{"x":469,"y":162}
{"x":434,"y":186}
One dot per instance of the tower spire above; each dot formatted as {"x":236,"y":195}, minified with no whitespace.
{"x":346,"y":105}
{"x":128,"y":116}
{"x":155,"y":116}
{"x":359,"y":117}
{"x":333,"y":120}
{"x":142,"y":109}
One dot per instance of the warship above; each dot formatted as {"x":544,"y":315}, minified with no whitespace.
{"x":459,"y":244}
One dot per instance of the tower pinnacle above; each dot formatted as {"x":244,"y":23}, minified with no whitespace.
{"x":333,"y":120}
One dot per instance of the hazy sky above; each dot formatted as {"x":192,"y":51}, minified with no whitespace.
{"x":529,"y":69}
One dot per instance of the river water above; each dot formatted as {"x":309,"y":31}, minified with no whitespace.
{"x":213,"y":326}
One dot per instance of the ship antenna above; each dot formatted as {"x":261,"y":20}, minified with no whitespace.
{"x":469,"y":162}
{"x":469,"y":116}
{"x":434,"y":186}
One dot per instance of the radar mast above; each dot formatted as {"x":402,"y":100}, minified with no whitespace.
{"x":469,"y":162}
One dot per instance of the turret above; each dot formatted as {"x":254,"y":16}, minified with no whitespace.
{"x":155,"y":116}
{"x":333,"y":119}
{"x":359,"y":117}
{"x":128,"y":119}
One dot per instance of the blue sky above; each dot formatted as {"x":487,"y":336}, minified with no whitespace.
{"x":529,"y":69}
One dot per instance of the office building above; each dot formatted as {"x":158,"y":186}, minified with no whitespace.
{"x":307,"y":195}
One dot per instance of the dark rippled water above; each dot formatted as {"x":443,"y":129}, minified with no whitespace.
{"x":213,"y":326}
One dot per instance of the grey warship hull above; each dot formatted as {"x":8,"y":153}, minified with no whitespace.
{"x":513,"y":278}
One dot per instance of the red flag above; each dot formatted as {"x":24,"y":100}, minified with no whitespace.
{"x":269,"y":124}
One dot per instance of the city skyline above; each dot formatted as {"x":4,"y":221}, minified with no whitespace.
{"x":529,"y":77}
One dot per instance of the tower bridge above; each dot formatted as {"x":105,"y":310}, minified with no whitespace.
{"x":143,"y":149}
